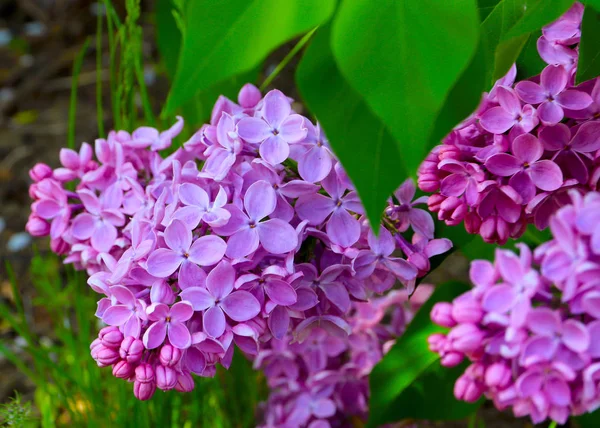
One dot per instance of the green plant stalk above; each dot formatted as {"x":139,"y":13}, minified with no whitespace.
{"x":146,"y":105}
{"x":73,"y":102}
{"x":99,"y":110}
{"x":285,"y":61}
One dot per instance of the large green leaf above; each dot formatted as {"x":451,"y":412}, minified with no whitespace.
{"x":228,"y":37}
{"x":403,"y":57}
{"x":358,"y":137}
{"x":588,"y":66}
{"x":410,"y":365}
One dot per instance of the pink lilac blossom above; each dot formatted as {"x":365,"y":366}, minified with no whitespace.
{"x":527,"y":144}
{"x":248,"y":234}
{"x":529,"y":327}
{"x":324,"y":381}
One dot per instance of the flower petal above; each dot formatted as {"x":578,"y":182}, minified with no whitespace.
{"x":277,"y":236}
{"x":574,"y":100}
{"x":198,"y":297}
{"x":550,"y":112}
{"x":503,"y":164}
{"x":207,"y":250}
{"x":527,"y":148}
{"x":179,"y":335}
{"x":242,"y":243}
{"x":163,"y":262}
{"x":155,"y":335}
{"x":220,"y":280}
{"x":587,"y":138}
{"x":342,"y":228}
{"x":274,"y":150}
{"x":240,"y":306}
{"x":214,"y":322}
{"x":253,"y":129}
{"x":190,"y":194}
{"x":260,"y":200}
{"x":178,"y":236}
{"x":191,"y":275}
{"x":181,"y":312}
{"x":116,"y":315}
{"x":280,"y":292}
{"x":546,"y":175}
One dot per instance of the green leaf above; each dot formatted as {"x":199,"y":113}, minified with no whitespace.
{"x":168,"y":35}
{"x":529,"y":62}
{"x":485,"y":7}
{"x":589,"y":48}
{"x":359,"y":139}
{"x":228,"y":37}
{"x":403,"y":58}
{"x":464,"y":96}
{"x":431,"y":396}
{"x":410,"y":358}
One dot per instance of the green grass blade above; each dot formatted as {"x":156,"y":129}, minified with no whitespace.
{"x":73,"y":102}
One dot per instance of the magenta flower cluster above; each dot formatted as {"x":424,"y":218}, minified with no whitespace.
{"x":532,"y":333}
{"x":514,"y":160}
{"x":250,"y":232}
{"x":324,"y":381}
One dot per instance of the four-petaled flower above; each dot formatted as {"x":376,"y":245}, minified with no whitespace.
{"x":275,"y":130}
{"x":525,"y":168}
{"x":168,"y":322}
{"x":552,"y":95}
{"x":218,"y":299}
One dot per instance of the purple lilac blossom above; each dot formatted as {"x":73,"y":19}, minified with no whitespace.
{"x":324,"y":380}
{"x":528,"y":143}
{"x":529,"y":327}
{"x":249,"y":234}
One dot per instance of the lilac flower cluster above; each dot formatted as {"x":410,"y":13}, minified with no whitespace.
{"x":250,"y":231}
{"x":514,"y":160}
{"x":532,"y":334}
{"x":323,"y":381}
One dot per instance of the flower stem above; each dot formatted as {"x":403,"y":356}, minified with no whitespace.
{"x":285,"y":61}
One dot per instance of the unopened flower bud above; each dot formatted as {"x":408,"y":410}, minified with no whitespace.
{"x":37,"y":226}
{"x":452,"y":359}
{"x":467,"y":389}
{"x":169,"y":355}
{"x":131,"y":349}
{"x":465,"y":309}
{"x":166,"y":377}
{"x":123,"y":370}
{"x":111,"y":337}
{"x":40,"y":171}
{"x":144,"y":373}
{"x":144,"y":390}
{"x":441,"y":314}
{"x":249,"y":95}
{"x":105,"y":356}
{"x":497,"y":375}
{"x":466,"y":338}
{"x":185,"y":382}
